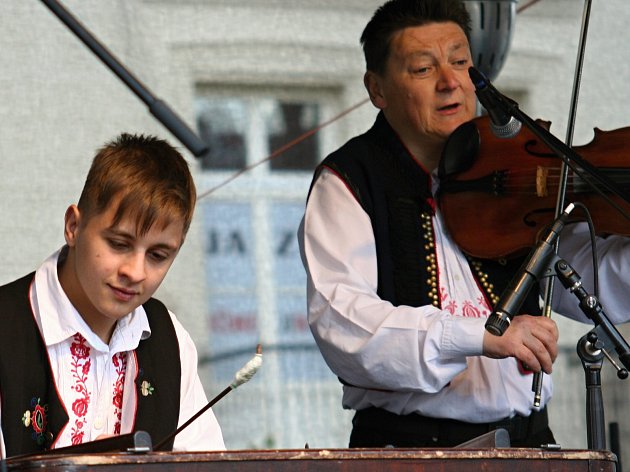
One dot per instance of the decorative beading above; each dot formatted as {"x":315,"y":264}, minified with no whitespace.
{"x":429,"y":246}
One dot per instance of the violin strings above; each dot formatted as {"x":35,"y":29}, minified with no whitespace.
{"x":523,"y":181}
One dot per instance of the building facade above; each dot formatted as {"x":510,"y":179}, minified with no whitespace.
{"x":254,"y":77}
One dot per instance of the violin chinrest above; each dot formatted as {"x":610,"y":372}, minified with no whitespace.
{"x":460,"y":150}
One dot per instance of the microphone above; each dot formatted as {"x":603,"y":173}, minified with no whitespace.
{"x":502,"y":123}
{"x":529,"y":273}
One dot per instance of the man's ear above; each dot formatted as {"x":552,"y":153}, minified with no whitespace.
{"x":372,"y":82}
{"x":72,"y":221}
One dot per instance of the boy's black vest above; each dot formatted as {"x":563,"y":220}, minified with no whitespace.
{"x":395,"y":192}
{"x":27,"y":384}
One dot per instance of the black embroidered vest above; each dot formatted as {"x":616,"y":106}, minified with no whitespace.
{"x":395,"y":192}
{"x":32,"y":412}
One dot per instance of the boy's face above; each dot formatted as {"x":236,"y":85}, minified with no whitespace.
{"x":110,"y":271}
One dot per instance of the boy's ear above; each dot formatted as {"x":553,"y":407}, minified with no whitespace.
{"x":372,"y":83}
{"x":72,"y":221}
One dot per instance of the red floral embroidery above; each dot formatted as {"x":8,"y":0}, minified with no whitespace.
{"x":79,"y":349}
{"x":118,"y":391}
{"x":469,"y":310}
{"x":451,"y":307}
{"x":120,"y":363}
{"x":482,"y":302}
{"x":39,"y":419}
{"x":80,"y":369}
{"x":448,"y":305}
{"x":80,"y":406}
{"x":81,"y":364}
{"x":78,"y":433}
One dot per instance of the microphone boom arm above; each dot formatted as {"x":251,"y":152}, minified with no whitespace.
{"x":158,"y":108}
{"x":591,"y":349}
{"x":606,"y":331}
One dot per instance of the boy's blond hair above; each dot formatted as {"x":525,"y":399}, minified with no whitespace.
{"x":148,"y":177}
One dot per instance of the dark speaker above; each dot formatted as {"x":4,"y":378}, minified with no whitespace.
{"x":492,"y":23}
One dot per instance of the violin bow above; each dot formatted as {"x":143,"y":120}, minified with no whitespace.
{"x":564,"y":172}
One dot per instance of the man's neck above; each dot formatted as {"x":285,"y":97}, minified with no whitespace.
{"x":427,"y":155}
{"x":426,"y":150}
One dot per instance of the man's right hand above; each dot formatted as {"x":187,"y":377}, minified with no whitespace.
{"x":533,"y":340}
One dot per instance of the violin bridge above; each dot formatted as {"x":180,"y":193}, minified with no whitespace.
{"x":541,"y":181}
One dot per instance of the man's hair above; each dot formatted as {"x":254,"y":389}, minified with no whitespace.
{"x":395,"y":15}
{"x":149,"y":178}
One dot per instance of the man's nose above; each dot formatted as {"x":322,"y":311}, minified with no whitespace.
{"x":447,"y":79}
{"x":133,"y":267}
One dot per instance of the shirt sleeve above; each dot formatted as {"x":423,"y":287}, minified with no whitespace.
{"x":613,"y":253}
{"x":203,"y":434}
{"x":367,"y":341}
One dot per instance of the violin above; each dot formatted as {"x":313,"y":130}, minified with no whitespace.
{"x":497,"y":194}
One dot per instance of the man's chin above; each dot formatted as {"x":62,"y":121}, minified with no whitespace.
{"x":448,"y":130}
{"x":121,"y":310}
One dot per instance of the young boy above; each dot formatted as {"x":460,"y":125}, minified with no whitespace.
{"x":85,"y":352}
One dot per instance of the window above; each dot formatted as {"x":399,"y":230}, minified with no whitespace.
{"x":237,"y":127}
{"x":256,"y":282}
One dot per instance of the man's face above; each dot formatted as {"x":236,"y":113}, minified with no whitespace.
{"x":425,"y":91}
{"x":110,"y":271}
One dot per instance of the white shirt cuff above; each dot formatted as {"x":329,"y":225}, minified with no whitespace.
{"x":463,"y":337}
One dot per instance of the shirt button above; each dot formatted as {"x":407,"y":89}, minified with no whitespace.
{"x":98,"y":423}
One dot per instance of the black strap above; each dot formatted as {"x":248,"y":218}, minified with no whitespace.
{"x":442,"y":431}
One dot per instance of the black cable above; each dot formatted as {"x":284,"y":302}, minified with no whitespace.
{"x":591,"y":230}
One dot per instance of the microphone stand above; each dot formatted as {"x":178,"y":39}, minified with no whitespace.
{"x":570,"y":159}
{"x":591,"y":349}
{"x":158,"y":108}
{"x":564,"y":171}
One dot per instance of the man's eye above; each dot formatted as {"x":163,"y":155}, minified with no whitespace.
{"x":158,"y":256}
{"x":422,"y":70}
{"x":115,"y":244}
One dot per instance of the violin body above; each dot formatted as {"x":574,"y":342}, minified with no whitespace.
{"x":497,"y":194}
